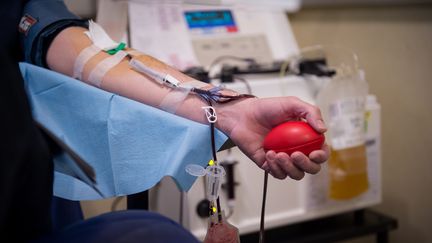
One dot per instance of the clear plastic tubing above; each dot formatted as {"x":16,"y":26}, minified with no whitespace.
{"x":215,"y":173}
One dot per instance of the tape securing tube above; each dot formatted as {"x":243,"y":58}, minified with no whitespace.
{"x":83,"y":57}
{"x":97,"y":74}
{"x":172,"y":101}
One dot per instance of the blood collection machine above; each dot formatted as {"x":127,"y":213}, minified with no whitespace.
{"x":188,"y":35}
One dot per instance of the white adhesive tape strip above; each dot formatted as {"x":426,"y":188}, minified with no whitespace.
{"x":172,"y":101}
{"x":104,"y":66}
{"x":83,"y":57}
{"x":99,"y":37}
{"x":193,"y":84}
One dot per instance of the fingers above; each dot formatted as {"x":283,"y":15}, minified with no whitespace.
{"x":314,"y":118}
{"x":272,"y":167}
{"x":277,"y":171}
{"x":320,"y":156}
{"x":304,"y":163}
{"x":284,"y":161}
{"x":311,"y":113}
{"x":281,"y":165}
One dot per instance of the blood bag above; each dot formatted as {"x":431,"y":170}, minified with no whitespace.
{"x":221,"y":231}
{"x":342,"y":102}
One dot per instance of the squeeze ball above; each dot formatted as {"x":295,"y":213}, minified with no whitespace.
{"x":293,"y":136}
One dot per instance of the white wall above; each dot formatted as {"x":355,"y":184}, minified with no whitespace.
{"x":82,"y":8}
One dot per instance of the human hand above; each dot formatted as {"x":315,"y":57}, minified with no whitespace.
{"x":248,"y":121}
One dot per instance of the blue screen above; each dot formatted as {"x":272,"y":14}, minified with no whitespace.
{"x":204,"y":19}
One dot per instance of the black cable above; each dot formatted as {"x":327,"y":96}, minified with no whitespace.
{"x":213,"y":143}
{"x":261,"y":237}
{"x":209,"y":96}
{"x":219,"y":210}
{"x":248,"y":87}
{"x":215,"y":159}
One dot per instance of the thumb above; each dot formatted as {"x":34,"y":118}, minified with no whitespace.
{"x":312,"y":114}
{"x":317,"y":124}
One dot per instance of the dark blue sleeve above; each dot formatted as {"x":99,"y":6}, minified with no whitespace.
{"x":41,"y":21}
{"x":132,"y":226}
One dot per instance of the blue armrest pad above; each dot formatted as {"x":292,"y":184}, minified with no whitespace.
{"x":130,"y":145}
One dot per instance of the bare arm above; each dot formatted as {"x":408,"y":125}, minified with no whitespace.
{"x":121,"y":79}
{"x":245,"y":121}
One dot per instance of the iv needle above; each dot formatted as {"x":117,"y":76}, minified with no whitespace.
{"x":261,"y":236}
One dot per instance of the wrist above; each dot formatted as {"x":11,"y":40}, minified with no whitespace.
{"x":232,"y":114}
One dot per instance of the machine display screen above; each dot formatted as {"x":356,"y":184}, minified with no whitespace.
{"x":210,"y":19}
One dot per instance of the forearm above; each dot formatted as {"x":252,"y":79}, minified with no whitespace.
{"x":123,"y":80}
{"x":245,"y":121}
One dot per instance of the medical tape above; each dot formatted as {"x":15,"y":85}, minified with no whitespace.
{"x":99,"y":37}
{"x":175,"y":98}
{"x":179,"y":91}
{"x":104,"y":66}
{"x":83,"y":57}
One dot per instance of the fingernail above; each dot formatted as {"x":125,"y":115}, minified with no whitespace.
{"x":321,"y":125}
{"x":271,"y":154}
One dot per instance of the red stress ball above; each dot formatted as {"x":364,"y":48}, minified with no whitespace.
{"x":293,"y":136}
